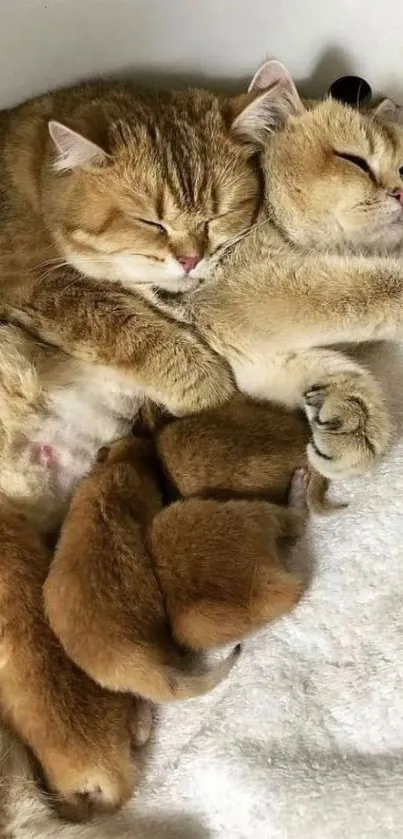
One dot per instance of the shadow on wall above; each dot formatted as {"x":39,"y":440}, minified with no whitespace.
{"x":332,"y":64}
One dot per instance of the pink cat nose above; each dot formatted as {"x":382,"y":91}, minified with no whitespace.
{"x":398,"y":194}
{"x":189,"y":262}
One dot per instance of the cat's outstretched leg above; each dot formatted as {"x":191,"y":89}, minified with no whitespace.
{"x":350,"y":422}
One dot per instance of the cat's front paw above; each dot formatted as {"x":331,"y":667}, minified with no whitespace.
{"x":204,"y":382}
{"x":350,"y":424}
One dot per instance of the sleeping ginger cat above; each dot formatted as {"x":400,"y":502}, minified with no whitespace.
{"x":107,"y":199}
{"x":322,"y":266}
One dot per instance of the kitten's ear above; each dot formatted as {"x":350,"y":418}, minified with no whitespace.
{"x":271,"y":99}
{"x":73,"y":149}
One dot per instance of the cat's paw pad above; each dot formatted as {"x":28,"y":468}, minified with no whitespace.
{"x":350,"y":427}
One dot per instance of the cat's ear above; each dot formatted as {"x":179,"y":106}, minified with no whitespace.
{"x":385,"y":106}
{"x":73,"y":149}
{"x":271,"y":99}
{"x":388,"y":110}
{"x":271,"y":73}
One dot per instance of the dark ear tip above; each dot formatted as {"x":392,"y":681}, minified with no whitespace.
{"x":351,"y":90}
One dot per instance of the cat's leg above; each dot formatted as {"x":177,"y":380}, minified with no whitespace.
{"x":350,"y":423}
{"x":101,"y":323}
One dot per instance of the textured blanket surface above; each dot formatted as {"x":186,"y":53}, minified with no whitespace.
{"x":305,"y":741}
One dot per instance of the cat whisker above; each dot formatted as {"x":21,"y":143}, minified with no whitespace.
{"x":240,"y":236}
{"x":51,"y":270}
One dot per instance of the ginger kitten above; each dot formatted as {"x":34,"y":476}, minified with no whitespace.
{"x":244,"y":449}
{"x":81,"y":735}
{"x":207,"y":568}
{"x":102,"y":595}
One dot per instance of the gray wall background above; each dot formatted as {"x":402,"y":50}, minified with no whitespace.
{"x":45,"y":44}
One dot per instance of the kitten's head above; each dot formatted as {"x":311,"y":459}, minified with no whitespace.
{"x":149,"y":190}
{"x":334,"y":175}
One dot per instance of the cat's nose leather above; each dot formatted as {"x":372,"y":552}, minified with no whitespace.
{"x":398,"y":194}
{"x":189,"y":262}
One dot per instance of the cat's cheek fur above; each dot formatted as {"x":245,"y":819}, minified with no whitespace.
{"x":130,"y":271}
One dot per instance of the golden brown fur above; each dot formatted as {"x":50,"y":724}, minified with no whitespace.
{"x":83,"y":268}
{"x":244,"y":449}
{"x":81,"y":735}
{"x":308,"y":275}
{"x":102,"y":596}
{"x":219,"y":565}
{"x":50,"y":401}
{"x":84,"y":262}
{"x":219,"y":552}
{"x":216,"y":554}
{"x":124,"y":219}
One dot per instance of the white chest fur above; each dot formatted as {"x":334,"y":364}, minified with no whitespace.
{"x":61,"y":441}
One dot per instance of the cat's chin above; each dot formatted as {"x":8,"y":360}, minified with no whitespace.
{"x":181,"y":286}
{"x":385,"y":240}
{"x":132,"y":272}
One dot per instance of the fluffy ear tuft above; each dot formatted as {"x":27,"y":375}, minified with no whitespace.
{"x":73,"y":149}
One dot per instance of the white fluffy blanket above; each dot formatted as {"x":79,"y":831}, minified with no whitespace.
{"x":305,"y":741}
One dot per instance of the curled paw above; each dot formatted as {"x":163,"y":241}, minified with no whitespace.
{"x":350,"y":425}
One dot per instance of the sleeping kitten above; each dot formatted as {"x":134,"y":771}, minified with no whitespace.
{"x":128,"y":575}
{"x":81,"y":735}
{"x":308,"y":275}
{"x":102,"y":596}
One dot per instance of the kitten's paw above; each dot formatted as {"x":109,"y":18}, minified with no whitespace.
{"x":350,"y":424}
{"x":297,"y":496}
{"x":141,"y":723}
{"x":88,"y":791}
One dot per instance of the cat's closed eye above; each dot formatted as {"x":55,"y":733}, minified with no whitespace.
{"x":401,"y":171}
{"x":158,"y":226}
{"x":356,"y":160}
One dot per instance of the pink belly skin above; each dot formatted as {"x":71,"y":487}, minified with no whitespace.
{"x":44,"y":455}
